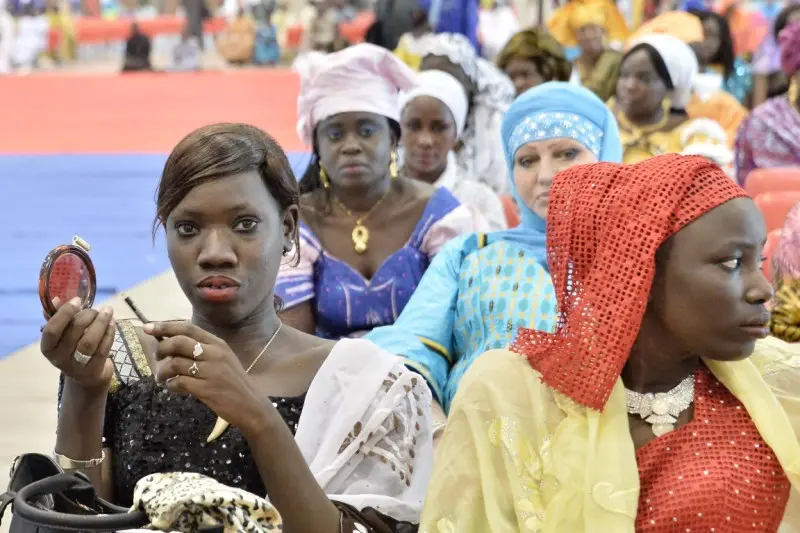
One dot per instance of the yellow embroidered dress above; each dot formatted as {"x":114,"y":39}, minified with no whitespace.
{"x":519,"y":457}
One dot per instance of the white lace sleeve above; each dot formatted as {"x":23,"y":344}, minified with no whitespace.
{"x":366,"y":431}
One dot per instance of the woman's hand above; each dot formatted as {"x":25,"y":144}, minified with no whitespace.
{"x":192,"y":361}
{"x":72,"y":335}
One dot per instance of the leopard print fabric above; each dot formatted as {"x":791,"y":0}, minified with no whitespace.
{"x":185,"y":502}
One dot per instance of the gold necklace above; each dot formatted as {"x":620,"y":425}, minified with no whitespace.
{"x":360,"y":233}
{"x":222,"y":425}
{"x":638,"y":131}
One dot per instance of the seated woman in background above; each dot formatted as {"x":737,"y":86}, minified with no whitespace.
{"x":655,"y":405}
{"x":768,"y":78}
{"x":770,"y":137}
{"x":481,"y":288}
{"x":367,"y":233}
{"x":432,"y":121}
{"x":138,"y":401}
{"x":715,"y":54}
{"x":532,"y":57}
{"x":490,"y":92}
{"x":561,"y":26}
{"x":597,"y":68}
{"x":654,"y":87}
{"x":708,"y":99}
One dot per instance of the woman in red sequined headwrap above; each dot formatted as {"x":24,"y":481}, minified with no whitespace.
{"x":657,"y":405}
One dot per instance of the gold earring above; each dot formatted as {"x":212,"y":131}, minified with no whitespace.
{"x":393,"y":166}
{"x":323,"y":177}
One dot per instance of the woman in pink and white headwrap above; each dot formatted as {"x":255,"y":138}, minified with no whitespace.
{"x":770,"y":137}
{"x":367,"y":233}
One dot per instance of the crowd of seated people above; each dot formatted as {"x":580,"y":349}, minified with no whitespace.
{"x":519,"y":294}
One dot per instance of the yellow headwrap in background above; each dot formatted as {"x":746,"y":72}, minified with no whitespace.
{"x":569,"y":18}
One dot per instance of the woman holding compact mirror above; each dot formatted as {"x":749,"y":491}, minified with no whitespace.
{"x":233,"y":394}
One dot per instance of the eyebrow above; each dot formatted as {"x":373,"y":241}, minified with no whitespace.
{"x":195,"y":213}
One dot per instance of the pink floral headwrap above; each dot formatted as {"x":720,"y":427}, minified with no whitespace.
{"x":364,"y":78}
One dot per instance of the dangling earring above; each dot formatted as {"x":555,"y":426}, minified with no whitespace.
{"x":393,"y":165}
{"x":323,"y":177}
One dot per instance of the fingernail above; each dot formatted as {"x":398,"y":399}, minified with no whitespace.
{"x":75,"y":301}
{"x":56,"y":301}
{"x":148,"y":328}
{"x":112,"y":323}
{"x":107,"y":310}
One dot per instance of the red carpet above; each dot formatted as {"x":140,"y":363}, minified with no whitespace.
{"x":141,"y":113}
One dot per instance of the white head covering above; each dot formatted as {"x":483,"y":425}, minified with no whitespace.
{"x":363,"y":78}
{"x":681,"y":64}
{"x":446,"y":89}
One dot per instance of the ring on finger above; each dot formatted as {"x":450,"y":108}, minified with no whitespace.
{"x":81,"y":358}
{"x":193,"y":370}
{"x":197,"y":352}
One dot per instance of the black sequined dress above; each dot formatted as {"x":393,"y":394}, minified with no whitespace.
{"x":151,"y":430}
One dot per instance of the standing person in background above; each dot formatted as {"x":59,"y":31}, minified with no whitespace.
{"x":137,"y":51}
{"x":30,"y":39}
{"x":454,"y":16}
{"x":6,"y":38}
{"x":196,"y":12}
{"x":533,"y":57}
{"x":186,"y":56}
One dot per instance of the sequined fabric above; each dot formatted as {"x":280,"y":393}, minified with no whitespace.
{"x":155,"y":431}
{"x":715,"y":473}
{"x":604,"y":226}
{"x":152,"y":430}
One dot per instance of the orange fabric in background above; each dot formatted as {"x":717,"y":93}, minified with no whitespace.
{"x":141,"y":113}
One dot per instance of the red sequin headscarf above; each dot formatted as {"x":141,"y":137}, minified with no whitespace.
{"x":605,"y":223}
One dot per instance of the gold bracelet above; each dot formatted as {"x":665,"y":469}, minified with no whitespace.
{"x":71,"y":464}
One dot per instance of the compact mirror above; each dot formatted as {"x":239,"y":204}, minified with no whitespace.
{"x":67,"y":272}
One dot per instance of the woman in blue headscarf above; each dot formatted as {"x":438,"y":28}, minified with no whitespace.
{"x":481,"y":288}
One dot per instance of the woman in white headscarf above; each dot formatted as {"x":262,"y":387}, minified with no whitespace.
{"x":490,"y":92}
{"x":433,"y":117}
{"x":654,"y":87}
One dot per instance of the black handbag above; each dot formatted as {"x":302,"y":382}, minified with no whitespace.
{"x":45,"y":499}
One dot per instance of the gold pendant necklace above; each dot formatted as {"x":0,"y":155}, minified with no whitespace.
{"x":221,"y":425}
{"x":360,"y":234}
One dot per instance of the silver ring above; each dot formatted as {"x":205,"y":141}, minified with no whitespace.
{"x":197,"y":352}
{"x":193,"y":370}
{"x":81,"y":359}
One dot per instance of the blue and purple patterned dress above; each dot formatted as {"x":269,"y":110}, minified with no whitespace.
{"x":346,"y":303}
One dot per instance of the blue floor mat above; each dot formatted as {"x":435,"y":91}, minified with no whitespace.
{"x":107,"y":199}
